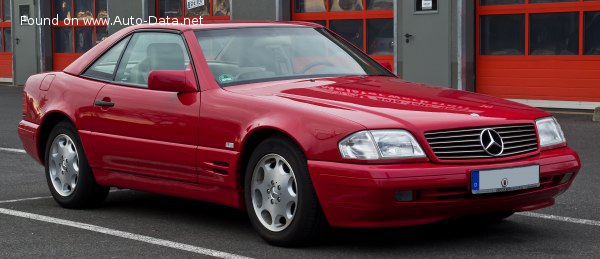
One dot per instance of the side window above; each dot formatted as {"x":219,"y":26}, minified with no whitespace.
{"x":150,"y":51}
{"x":104,"y":68}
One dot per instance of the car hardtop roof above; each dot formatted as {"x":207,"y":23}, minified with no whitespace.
{"x":206,"y":25}
{"x":79,"y":65}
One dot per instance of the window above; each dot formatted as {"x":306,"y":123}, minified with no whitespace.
{"x":310,"y":6}
{"x":554,"y":34}
{"x":101,"y":9}
{"x":150,"y":51}
{"x":323,"y":23}
{"x":238,"y":56}
{"x":351,"y":30}
{"x":368,"y":24}
{"x":380,"y":37}
{"x":591,"y":36}
{"x":78,"y":37}
{"x":503,"y":34}
{"x":24,"y":11}
{"x":104,"y":67}
{"x":83,"y":39}
{"x":83,"y":9}
{"x":212,"y":9}
{"x":169,"y":8}
{"x":63,"y":9}
{"x":380,"y":4}
{"x":7,"y":40}
{"x":101,"y":34}
{"x":63,"y":39}
{"x":7,"y":10}
{"x":345,"y":5}
{"x":198,"y":11}
{"x":5,"y":31}
{"x":501,"y":2}
{"x":221,"y":8}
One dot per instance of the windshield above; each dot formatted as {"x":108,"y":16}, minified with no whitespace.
{"x":248,"y":55}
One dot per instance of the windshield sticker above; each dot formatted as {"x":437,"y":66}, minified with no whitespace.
{"x":225,"y":78}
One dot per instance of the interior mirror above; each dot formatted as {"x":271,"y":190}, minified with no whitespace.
{"x":387,"y":65}
{"x":178,"y":81}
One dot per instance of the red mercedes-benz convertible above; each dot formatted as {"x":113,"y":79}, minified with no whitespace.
{"x":289,"y":122}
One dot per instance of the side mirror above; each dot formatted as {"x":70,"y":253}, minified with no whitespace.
{"x":177,"y":81}
{"x":387,"y":65}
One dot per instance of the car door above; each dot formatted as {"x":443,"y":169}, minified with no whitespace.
{"x":146,"y":132}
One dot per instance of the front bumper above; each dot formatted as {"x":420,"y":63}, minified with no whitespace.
{"x":358,"y":195}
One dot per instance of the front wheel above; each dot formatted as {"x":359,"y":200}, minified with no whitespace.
{"x":279,"y":195}
{"x":68,"y":174}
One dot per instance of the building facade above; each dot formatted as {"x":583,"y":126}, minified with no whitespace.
{"x":542,"y":52}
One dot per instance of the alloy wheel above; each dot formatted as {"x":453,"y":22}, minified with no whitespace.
{"x":63,"y":165}
{"x":274,"y":192}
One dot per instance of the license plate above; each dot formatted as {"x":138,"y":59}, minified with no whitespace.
{"x":505,"y":179}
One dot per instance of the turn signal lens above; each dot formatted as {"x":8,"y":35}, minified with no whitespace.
{"x":359,"y":146}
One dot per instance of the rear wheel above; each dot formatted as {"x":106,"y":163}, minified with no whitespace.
{"x":68,"y":174}
{"x":279,"y":195}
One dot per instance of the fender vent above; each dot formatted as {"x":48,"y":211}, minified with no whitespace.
{"x":218,"y":167}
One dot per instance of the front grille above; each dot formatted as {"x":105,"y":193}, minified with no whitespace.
{"x":466,"y":144}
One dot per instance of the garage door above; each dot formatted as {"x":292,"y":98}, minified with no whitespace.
{"x":368,"y":24}
{"x":539,"y":49}
{"x":71,"y":40}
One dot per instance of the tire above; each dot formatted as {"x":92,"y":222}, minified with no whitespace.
{"x":307,"y":220}
{"x":79,"y":188}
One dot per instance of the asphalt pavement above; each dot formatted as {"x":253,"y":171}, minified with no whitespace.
{"x":134,"y":224}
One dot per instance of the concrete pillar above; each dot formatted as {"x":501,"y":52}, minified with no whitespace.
{"x":597,"y":114}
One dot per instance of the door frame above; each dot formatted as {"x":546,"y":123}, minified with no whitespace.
{"x":408,"y":20}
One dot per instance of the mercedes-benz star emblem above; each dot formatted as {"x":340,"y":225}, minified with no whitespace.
{"x":491,"y":142}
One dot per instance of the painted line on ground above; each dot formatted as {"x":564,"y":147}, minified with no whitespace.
{"x":49,"y":197}
{"x":561,"y":218}
{"x":12,"y":150}
{"x":25,"y":199}
{"x":122,"y":234}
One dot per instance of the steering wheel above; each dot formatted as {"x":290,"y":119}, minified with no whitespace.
{"x":316,"y":64}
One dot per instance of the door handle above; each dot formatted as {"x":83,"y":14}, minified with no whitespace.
{"x":408,"y":36}
{"x":101,"y":103}
{"x":17,"y":41}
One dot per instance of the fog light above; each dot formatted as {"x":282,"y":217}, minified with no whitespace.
{"x":404,"y":195}
{"x":566,"y":178}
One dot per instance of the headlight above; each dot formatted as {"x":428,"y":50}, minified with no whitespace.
{"x":549,"y":132}
{"x":380,"y":144}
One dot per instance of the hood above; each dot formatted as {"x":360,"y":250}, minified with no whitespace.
{"x":387,"y":102}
